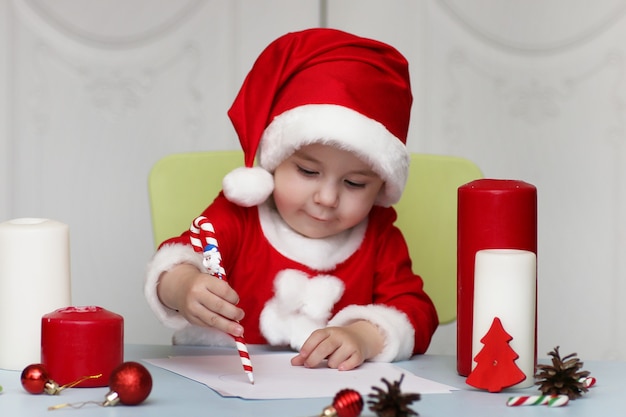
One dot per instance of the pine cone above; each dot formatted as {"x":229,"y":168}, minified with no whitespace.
{"x":562,"y":377}
{"x":392,"y":403}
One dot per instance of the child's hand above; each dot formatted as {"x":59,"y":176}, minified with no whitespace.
{"x":202,"y":299}
{"x":345,"y":347}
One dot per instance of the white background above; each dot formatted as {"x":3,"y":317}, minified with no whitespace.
{"x":92,"y":93}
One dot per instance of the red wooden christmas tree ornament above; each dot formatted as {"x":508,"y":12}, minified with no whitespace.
{"x":495,"y":363}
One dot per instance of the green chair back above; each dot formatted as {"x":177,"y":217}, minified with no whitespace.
{"x":427,"y":216}
{"x":182,"y":185}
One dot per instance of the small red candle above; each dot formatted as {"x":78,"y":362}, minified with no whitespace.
{"x":82,"y":341}
{"x":492,"y":214}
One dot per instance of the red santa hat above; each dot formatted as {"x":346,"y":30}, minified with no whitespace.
{"x":322,"y":86}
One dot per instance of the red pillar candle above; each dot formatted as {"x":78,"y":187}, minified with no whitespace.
{"x":82,"y":341}
{"x":492,"y":214}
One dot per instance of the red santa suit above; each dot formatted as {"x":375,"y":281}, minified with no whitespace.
{"x":290,"y":285}
{"x":314,"y":86}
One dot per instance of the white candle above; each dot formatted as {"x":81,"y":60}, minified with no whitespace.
{"x":505,"y":286}
{"x":34,"y":280}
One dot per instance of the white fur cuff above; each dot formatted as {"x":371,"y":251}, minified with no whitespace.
{"x":165,"y":259}
{"x":397,"y":329}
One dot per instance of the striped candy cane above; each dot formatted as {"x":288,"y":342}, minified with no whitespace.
{"x":202,"y":237}
{"x":549,"y":400}
{"x":588,"y":382}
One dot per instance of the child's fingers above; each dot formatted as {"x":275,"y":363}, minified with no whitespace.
{"x":220,"y":288}
{"x":212,"y":303}
{"x":297,"y":360}
{"x":208,"y":318}
{"x":353,"y":361}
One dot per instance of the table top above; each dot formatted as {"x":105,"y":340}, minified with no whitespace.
{"x":172,"y":394}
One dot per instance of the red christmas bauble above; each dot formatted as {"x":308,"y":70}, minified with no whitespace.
{"x":34,"y":378}
{"x":132,"y":382}
{"x":347,"y":403}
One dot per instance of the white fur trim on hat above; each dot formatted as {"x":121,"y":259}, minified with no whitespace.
{"x":300,"y":305}
{"x":345,"y":128}
{"x":248,"y":187}
{"x":397,"y":329}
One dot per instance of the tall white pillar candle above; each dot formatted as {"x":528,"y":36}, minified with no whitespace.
{"x":34,"y":280}
{"x":505,"y":286}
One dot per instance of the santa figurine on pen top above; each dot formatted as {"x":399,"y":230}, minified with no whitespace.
{"x":212,"y":261}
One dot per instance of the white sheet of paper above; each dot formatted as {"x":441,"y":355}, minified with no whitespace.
{"x":276,"y":378}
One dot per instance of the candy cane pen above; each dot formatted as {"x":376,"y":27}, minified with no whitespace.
{"x":203,"y":240}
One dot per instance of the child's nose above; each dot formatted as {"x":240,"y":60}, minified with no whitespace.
{"x":327,"y":194}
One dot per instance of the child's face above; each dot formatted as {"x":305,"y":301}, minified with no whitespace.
{"x":321,"y":190}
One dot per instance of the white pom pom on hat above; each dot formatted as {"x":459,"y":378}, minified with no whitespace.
{"x":248,"y":186}
{"x":322,"y":86}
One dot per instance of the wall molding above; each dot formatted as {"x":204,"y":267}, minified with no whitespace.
{"x":613,"y":13}
{"x":45,"y":13}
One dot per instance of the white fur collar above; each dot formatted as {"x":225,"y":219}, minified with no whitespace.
{"x":320,"y":254}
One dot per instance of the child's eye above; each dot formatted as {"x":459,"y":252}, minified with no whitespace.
{"x":306,"y":172}
{"x":354,"y":184}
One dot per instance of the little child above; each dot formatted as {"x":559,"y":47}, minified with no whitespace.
{"x":306,"y":236}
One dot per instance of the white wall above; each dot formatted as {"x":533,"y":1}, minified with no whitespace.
{"x":100,"y":91}
{"x":93,"y":93}
{"x":543,"y":101}
{"x":5,"y":125}
{"x":532,"y":91}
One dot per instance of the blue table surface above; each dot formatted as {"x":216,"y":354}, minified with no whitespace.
{"x":173,"y":394}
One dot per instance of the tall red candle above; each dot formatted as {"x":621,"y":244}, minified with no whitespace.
{"x":82,"y":341}
{"x":492,"y":214}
